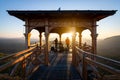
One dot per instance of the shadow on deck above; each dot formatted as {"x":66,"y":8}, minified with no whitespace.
{"x":60,"y":68}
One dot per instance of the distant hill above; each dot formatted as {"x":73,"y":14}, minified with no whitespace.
{"x":110,"y":47}
{"x":12,"y":45}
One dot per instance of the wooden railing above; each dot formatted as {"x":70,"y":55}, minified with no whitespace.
{"x":95,"y":68}
{"x":19,"y":66}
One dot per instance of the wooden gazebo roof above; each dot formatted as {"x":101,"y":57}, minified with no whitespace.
{"x":34,"y":14}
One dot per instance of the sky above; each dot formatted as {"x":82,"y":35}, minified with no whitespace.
{"x":12,"y":27}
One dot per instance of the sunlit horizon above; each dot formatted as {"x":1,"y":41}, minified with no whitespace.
{"x":35,"y":35}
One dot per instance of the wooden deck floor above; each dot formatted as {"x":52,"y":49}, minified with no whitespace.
{"x":59,"y":69}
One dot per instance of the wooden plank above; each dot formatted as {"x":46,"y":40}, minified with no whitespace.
{"x":111,"y":77}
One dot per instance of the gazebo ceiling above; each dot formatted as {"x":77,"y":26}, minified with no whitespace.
{"x":66,"y":29}
{"x":40,"y":14}
{"x":61,"y":29}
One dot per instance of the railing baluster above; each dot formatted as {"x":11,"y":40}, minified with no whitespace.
{"x":24,"y":68}
{"x":14,"y":69}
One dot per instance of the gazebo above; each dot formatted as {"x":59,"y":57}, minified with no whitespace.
{"x":61,"y":21}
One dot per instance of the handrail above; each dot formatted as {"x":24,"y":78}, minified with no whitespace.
{"x":33,"y":45}
{"x":3,"y":67}
{"x":21,"y":60}
{"x":90,"y":59}
{"x":98,"y":56}
{"x":106,"y":67}
{"x":16,"y":54}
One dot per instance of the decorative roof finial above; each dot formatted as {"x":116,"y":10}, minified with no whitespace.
{"x":59,"y":8}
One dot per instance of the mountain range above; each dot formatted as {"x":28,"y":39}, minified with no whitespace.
{"x":109,"y":47}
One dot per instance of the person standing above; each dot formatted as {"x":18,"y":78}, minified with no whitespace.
{"x":56,"y":43}
{"x":67,"y":42}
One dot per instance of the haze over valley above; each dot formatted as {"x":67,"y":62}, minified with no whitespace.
{"x":109,"y":47}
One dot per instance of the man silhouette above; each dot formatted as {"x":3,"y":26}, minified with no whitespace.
{"x":56,"y":43}
{"x":67,"y":42}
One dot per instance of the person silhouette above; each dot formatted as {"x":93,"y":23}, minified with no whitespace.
{"x":56,"y":43}
{"x":67,"y":42}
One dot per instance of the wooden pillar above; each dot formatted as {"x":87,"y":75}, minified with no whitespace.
{"x":84,"y":68}
{"x":80,"y":39}
{"x":27,"y":34}
{"x":46,"y":45}
{"x":60,"y":37}
{"x":27,"y":40}
{"x":94,"y":38}
{"x":73,"y":47}
{"x":40,"y":39}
